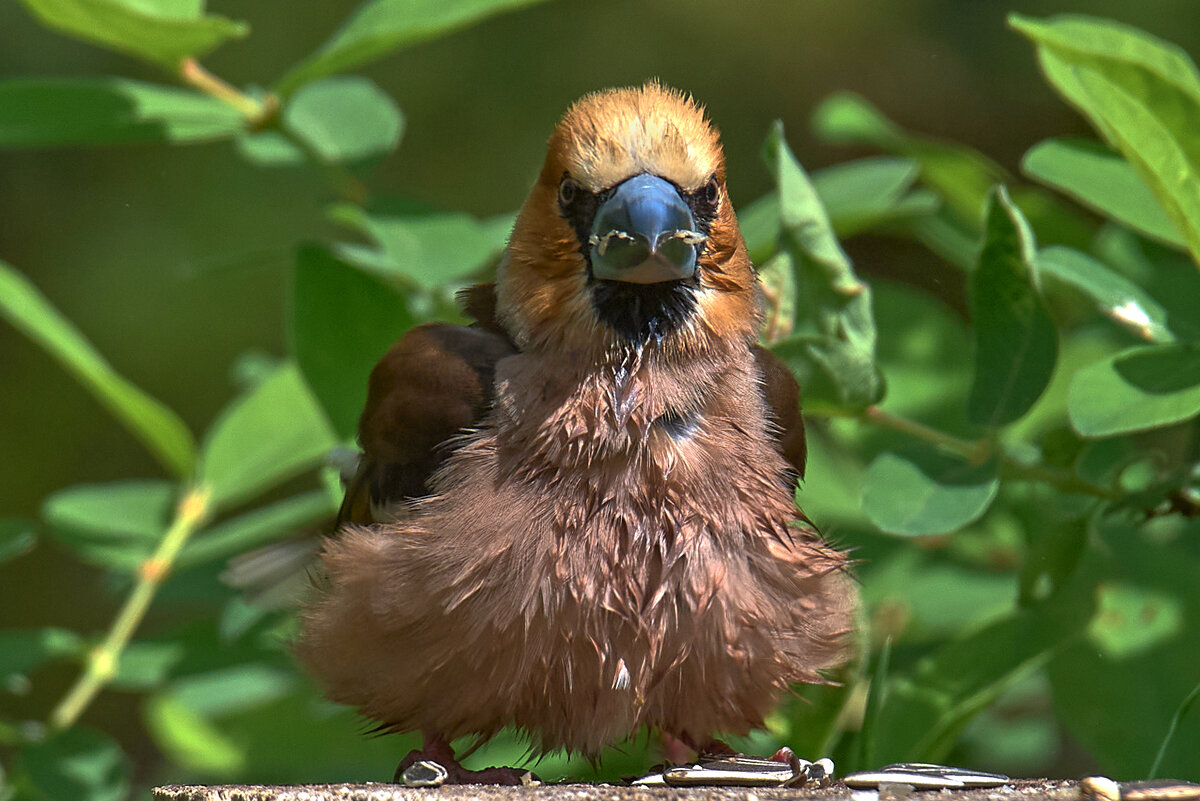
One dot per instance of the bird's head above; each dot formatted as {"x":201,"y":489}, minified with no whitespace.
{"x":628,"y":239}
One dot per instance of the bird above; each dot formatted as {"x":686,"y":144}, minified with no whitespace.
{"x":576,"y":516}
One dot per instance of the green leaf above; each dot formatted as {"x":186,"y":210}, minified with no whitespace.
{"x":1141,"y":93}
{"x":159,"y":428}
{"x":17,"y":538}
{"x":343,"y":321}
{"x":145,"y":665}
{"x":1139,"y":659}
{"x":265,"y":437}
{"x":926,"y":494}
{"x":1136,"y":389}
{"x":343,"y":119}
{"x":234,"y":689}
{"x":23,"y":651}
{"x":49,"y":112}
{"x":1114,"y":295}
{"x":160,"y":32}
{"x":258,"y":527}
{"x":1015,"y":342}
{"x":116,"y":525}
{"x":382,"y":26}
{"x":834,"y":349}
{"x":1103,"y":181}
{"x":960,"y":175}
{"x":927,"y":707}
{"x":426,"y":250}
{"x":78,"y":763}
{"x":190,"y":739}
{"x":871,"y":192}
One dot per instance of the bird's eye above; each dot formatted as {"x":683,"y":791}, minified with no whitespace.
{"x":568,"y":190}
{"x":710,"y":193}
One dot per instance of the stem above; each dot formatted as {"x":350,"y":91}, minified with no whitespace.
{"x":977,"y":452}
{"x":264,"y":115}
{"x":974,"y":451}
{"x":197,"y":77}
{"x":191,"y":513}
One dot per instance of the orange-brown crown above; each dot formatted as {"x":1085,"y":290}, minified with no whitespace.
{"x":606,"y":137}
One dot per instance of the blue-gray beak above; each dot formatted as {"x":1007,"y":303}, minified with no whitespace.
{"x":644,"y":234}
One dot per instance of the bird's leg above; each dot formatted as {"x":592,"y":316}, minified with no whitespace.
{"x":436,"y":748}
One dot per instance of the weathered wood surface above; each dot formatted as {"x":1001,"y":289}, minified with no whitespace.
{"x":1023,"y":790}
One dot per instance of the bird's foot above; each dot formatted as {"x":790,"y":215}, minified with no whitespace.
{"x":438,"y":751}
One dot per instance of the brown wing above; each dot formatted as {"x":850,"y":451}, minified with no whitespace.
{"x":783,"y":403}
{"x":435,"y":382}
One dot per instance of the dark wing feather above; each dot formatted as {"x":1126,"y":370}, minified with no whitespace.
{"x":432,"y":384}
{"x":783,"y":405}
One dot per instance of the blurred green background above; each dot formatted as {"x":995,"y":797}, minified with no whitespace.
{"x":175,"y":262}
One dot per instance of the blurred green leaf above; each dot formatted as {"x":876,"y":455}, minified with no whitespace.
{"x":1015,"y":342}
{"x":1139,"y":659}
{"x":1141,"y":93}
{"x":1103,"y":181}
{"x":427,"y":250}
{"x":268,"y":435}
{"x":159,"y":428}
{"x":1114,"y":295}
{"x":927,"y":494}
{"x":343,"y":321}
{"x":17,"y":537}
{"x":1138,"y":388}
{"x":258,"y":527}
{"x":927,"y":707}
{"x":147,"y":664}
{"x":233,"y":689}
{"x":23,"y":651}
{"x":834,"y":350}
{"x":160,"y":32}
{"x":341,"y":119}
{"x":115,"y":525}
{"x":1184,"y":707}
{"x":48,"y":112}
{"x":871,"y":192}
{"x":79,"y":763}
{"x":959,"y":174}
{"x":190,"y":739}
{"x":378,"y":27}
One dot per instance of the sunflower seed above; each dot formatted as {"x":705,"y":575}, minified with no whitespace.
{"x":425,"y":773}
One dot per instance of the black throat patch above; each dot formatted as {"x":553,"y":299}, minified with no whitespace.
{"x":644,"y":312}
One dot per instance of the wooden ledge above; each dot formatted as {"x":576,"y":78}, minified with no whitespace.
{"x":1023,"y":790}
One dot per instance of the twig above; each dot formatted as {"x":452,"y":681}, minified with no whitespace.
{"x":103,"y":660}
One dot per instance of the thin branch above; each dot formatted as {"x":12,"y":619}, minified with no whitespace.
{"x":103,"y":660}
{"x":196,"y":76}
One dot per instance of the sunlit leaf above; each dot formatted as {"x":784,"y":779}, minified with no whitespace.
{"x":927,"y":495}
{"x":1015,"y":342}
{"x":340,"y":119}
{"x":1131,"y":620}
{"x":159,"y":428}
{"x":427,"y":250}
{"x":161,"y":32}
{"x":834,"y":347}
{"x":269,"y":435}
{"x":1141,"y":93}
{"x":871,"y":192}
{"x":78,"y":763}
{"x":232,"y":689}
{"x":379,"y":27}
{"x":343,"y":321}
{"x":1136,"y":389}
{"x":1114,"y":295}
{"x":115,"y":525}
{"x":17,"y":537}
{"x":1103,"y":181}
